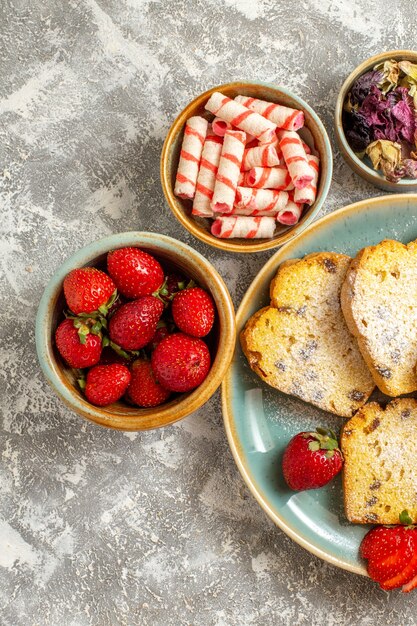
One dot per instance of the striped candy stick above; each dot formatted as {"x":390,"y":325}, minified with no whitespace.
{"x":228,"y":227}
{"x":241,"y":117}
{"x":220,"y":126}
{"x":290,"y":214}
{"x":295,"y":158}
{"x":277,"y":177}
{"x":192,"y":145}
{"x":307,"y":195}
{"x":282,"y":116}
{"x":206,"y":179}
{"x":228,"y":171}
{"x":260,"y":156}
{"x":261,"y":199}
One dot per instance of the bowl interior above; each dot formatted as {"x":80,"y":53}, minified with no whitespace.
{"x":120,"y":415}
{"x":363,"y":167}
{"x":313,"y":133}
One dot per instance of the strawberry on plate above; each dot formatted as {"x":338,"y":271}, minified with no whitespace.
{"x":134,"y":324}
{"x":391,"y":552}
{"x":311,"y":460}
{"x":77,"y":352}
{"x":135,"y":272}
{"x":193,"y":311}
{"x":180,"y":362}
{"x":106,"y":384}
{"x":144,"y":390}
{"x":88,"y":289}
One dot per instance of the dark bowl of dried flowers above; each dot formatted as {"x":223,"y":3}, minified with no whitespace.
{"x":376,"y":120}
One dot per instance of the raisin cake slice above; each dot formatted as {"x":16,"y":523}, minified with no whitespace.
{"x":379,"y":302}
{"x":301,"y":344}
{"x":379,"y":475}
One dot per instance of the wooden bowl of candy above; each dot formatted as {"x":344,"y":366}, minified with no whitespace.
{"x":245,"y":166}
{"x":375,"y":120}
{"x":135,"y":331}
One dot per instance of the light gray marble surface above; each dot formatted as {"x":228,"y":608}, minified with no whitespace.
{"x":105,"y":528}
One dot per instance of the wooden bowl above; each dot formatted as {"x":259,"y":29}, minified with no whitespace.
{"x":313,"y":133}
{"x":364,"y":167}
{"x":173,"y":254}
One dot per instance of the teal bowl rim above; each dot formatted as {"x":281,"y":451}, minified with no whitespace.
{"x":256,"y":246}
{"x":84,"y":256}
{"x":358,"y":165}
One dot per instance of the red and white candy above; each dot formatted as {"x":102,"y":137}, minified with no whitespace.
{"x":228,"y":172}
{"x":290,"y":214}
{"x":295,"y":158}
{"x":220,"y":126}
{"x":268,"y":178}
{"x":261,"y":199}
{"x":192,"y":146}
{"x":206,"y":179}
{"x":240,"y":116}
{"x":260,"y":156}
{"x":228,"y":227}
{"x":307,"y":195}
{"x":283,"y":117}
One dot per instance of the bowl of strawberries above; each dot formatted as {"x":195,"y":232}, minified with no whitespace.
{"x":135,"y":331}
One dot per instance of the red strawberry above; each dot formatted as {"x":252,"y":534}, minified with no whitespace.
{"x":106,"y":383}
{"x":193,"y":311}
{"x":180,"y":362}
{"x":311,"y":459}
{"x":135,"y":272}
{"x":134,"y":324}
{"x":160,"y":334}
{"x":87,"y":289}
{"x":144,"y":390}
{"x":392,"y":555}
{"x":75,"y":353}
{"x":109,"y":356}
{"x":175,"y":282}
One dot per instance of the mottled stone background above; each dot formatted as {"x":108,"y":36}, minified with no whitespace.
{"x":105,"y":528}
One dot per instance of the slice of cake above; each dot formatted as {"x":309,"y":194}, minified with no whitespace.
{"x":379,"y":302}
{"x":379,"y":476}
{"x":301,"y":344}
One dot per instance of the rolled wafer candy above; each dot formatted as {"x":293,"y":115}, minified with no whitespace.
{"x":192,"y":145}
{"x":231,"y":226}
{"x":248,"y":210}
{"x":290,"y":214}
{"x":228,"y":171}
{"x":261,"y":199}
{"x":260,"y":156}
{"x":206,"y":179}
{"x":241,"y":117}
{"x":283,"y":117}
{"x":307,"y":195}
{"x":268,"y":178}
{"x":306,"y":147}
{"x":295,"y":158}
{"x":220,"y":126}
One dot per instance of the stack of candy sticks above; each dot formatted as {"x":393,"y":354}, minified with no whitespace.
{"x":248,"y":170}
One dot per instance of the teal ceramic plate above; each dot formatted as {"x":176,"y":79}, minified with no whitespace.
{"x":260,"y":420}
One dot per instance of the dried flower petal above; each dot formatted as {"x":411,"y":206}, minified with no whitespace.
{"x":362,"y":85}
{"x":390,"y":75}
{"x":357,"y":130}
{"x":386,"y":156}
{"x":410,"y":168}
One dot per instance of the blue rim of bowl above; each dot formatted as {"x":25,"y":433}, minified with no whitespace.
{"x":80,"y":259}
{"x":286,"y":235}
{"x":340,"y":132}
